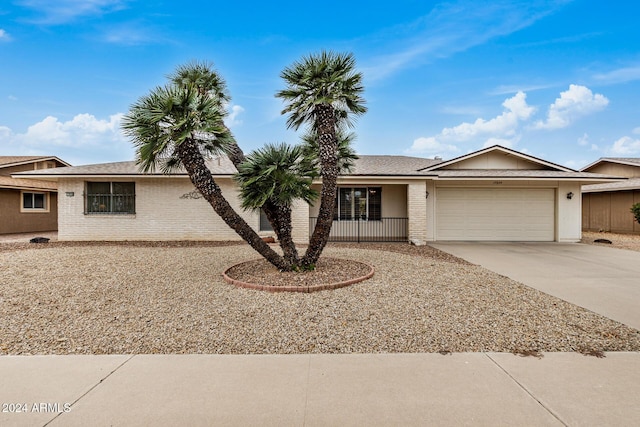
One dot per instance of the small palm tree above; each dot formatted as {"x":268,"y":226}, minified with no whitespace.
{"x":179,"y":125}
{"x":277,"y":174}
{"x":323,"y":92}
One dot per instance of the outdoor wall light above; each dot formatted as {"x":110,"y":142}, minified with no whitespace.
{"x":426,"y":194}
{"x":569,"y":195}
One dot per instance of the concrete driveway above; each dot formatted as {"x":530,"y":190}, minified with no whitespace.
{"x":602,"y":279}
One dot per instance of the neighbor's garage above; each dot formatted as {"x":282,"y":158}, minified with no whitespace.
{"x":495,"y":214}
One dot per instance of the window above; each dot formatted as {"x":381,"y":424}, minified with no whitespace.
{"x":359,"y":203}
{"x":110,"y":198}
{"x":34,"y":202}
{"x":265,"y":225}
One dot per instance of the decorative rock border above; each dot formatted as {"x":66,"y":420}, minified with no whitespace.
{"x":304,"y":289}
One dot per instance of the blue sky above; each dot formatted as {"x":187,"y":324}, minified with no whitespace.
{"x":556,"y":79}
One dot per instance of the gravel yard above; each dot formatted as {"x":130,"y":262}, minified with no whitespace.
{"x":171,"y":298}
{"x":621,"y":241}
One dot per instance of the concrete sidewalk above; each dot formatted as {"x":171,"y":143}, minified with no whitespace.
{"x":604,"y":280}
{"x":309,"y":390}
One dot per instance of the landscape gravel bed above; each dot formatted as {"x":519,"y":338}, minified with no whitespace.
{"x":621,"y":241}
{"x":145,"y":299}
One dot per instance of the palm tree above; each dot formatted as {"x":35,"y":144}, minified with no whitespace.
{"x":180,"y":124}
{"x":279,"y":174}
{"x":322,"y":92}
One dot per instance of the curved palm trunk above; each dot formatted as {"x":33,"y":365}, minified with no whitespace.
{"x":279,"y":216}
{"x":328,"y":150}
{"x":201,"y":177}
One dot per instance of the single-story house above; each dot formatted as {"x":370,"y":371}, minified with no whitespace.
{"x":28,"y":205}
{"x":607,"y":207}
{"x":494,"y":194}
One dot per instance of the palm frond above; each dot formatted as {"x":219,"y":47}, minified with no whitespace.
{"x":275,"y":172}
{"x":326,"y":78}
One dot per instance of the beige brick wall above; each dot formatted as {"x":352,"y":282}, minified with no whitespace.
{"x":417,"y":209}
{"x":161,"y":214}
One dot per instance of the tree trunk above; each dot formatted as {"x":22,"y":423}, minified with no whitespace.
{"x":201,"y":177}
{"x":328,"y":154}
{"x":281,"y":225}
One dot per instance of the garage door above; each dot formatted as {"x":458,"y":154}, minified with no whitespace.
{"x":496,"y":214}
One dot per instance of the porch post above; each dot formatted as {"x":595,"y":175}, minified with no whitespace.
{"x":417,"y":211}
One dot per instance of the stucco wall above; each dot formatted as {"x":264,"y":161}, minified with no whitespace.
{"x":610,"y":211}
{"x":568,"y":213}
{"x":12,"y":220}
{"x":162,"y":213}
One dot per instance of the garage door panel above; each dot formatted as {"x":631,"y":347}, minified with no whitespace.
{"x":495,"y":214}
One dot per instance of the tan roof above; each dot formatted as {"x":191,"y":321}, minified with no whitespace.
{"x":391,"y":165}
{"x":6,"y":161}
{"x":217,"y":166}
{"x":27,"y":184}
{"x":222,"y":166}
{"x":365,"y":165}
{"x":632,"y":161}
{"x":628,"y":184}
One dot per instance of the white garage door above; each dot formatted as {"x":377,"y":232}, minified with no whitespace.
{"x":497,"y":214}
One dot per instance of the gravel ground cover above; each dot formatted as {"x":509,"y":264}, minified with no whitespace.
{"x":622,"y":241}
{"x":171,"y":298}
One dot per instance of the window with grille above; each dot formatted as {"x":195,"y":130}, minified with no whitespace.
{"x":359,"y":203}
{"x":110,"y":198}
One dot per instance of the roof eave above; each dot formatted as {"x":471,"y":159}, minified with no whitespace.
{"x":609,"y":160}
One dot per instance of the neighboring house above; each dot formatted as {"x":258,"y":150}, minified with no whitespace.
{"x":27,"y":205}
{"x":607,"y":207}
{"x":492,"y":194}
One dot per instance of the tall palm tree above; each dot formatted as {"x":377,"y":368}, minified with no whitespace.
{"x":180,"y":124}
{"x":323,"y":91}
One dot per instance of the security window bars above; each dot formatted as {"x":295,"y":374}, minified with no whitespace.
{"x":359,"y":203}
{"x":110,"y":198}
{"x":34,"y":201}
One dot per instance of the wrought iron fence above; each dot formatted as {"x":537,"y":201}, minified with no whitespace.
{"x":383,"y":230}
{"x":110,"y":204}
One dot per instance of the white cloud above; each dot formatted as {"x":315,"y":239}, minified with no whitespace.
{"x":574,"y":103}
{"x":431,"y":146}
{"x":5,"y":133}
{"x":636,"y":131}
{"x":82,"y":130}
{"x":516,"y":109}
{"x":83,"y":139}
{"x":4,"y":36}
{"x":621,"y":75}
{"x":232,"y":119}
{"x":500,"y":130}
{"x":583,"y":140}
{"x":64,"y":11}
{"x":625,"y":146}
{"x":452,"y":27}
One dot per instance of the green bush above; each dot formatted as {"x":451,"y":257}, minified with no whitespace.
{"x":635,"y":210}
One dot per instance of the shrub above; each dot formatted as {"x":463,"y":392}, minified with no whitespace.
{"x":635,"y":210}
